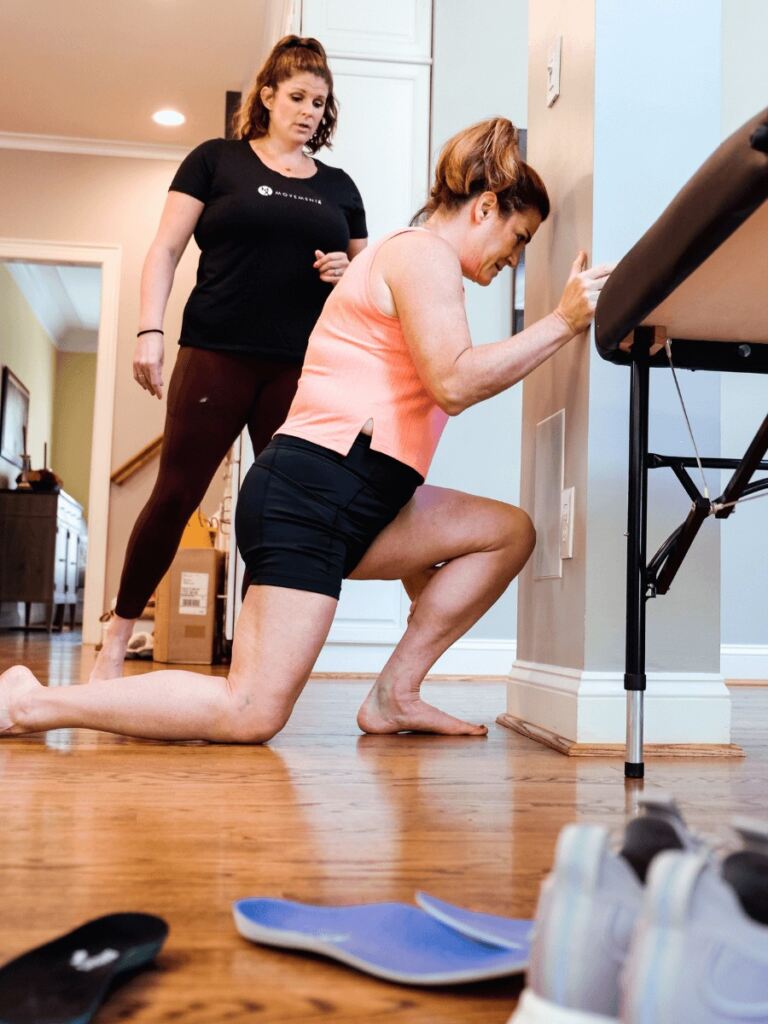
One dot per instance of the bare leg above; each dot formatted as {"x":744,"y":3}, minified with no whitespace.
{"x":278,"y":637}
{"x":109,"y":660}
{"x":415,"y":584}
{"x":484,"y":544}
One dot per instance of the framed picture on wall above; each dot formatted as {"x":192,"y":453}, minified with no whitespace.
{"x":14,"y":416}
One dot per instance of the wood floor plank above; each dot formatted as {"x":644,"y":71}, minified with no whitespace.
{"x":93,"y":823}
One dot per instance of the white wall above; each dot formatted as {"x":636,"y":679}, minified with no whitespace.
{"x":480,"y":70}
{"x":745,"y":65}
{"x":639,"y":108}
{"x":652,"y":131}
{"x":744,"y":397}
{"x":551,"y":613}
{"x":613,"y":154}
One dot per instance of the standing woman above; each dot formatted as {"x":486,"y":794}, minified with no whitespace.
{"x":276,"y":229}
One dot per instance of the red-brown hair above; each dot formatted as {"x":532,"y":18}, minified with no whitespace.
{"x":485,"y":158}
{"x":290,"y":56}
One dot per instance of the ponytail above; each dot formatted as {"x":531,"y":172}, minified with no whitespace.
{"x":485,"y":158}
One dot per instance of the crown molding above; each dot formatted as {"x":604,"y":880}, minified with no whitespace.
{"x":92,"y":147}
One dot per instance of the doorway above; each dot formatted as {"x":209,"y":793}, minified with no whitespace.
{"x":95,"y":383}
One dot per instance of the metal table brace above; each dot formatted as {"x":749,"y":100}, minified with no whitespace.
{"x":647,"y":580}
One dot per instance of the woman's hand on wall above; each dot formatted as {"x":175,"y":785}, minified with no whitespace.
{"x":582,"y":290}
{"x":148,"y":363}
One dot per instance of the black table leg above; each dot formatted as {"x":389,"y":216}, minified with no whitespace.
{"x":634,"y":674}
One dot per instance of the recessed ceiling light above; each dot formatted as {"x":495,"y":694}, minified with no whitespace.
{"x":168,"y":117}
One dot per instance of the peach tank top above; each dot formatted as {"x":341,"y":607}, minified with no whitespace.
{"x":358,"y":367}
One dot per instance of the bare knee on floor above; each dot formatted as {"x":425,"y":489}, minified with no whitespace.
{"x":249,"y":719}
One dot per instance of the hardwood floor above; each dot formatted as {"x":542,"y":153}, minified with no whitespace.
{"x":92,"y":823}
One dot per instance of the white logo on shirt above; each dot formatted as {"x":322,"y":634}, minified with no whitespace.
{"x":265,"y":190}
{"x":304,"y":199}
{"x":82,"y":962}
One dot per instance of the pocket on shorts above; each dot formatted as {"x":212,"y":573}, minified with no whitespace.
{"x":322,"y":479}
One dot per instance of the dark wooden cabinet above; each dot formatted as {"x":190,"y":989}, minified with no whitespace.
{"x":43,"y":538}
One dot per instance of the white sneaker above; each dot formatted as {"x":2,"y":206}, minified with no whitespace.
{"x":700,"y":950}
{"x":587,"y":911}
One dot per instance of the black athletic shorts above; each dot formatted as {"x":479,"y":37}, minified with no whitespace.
{"x":306,"y":515}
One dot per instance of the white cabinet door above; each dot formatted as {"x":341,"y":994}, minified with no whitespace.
{"x":377,"y":29}
{"x":382,"y":138}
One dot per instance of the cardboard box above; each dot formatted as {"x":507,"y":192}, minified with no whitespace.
{"x":186,"y":612}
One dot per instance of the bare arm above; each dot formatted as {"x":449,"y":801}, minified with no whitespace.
{"x":177,"y":222}
{"x":424,"y":278}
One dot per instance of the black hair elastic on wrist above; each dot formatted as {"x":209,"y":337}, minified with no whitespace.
{"x":151,"y":330}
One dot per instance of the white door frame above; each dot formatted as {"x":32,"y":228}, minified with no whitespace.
{"x":107,"y":259}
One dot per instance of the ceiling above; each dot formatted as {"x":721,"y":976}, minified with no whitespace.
{"x":65,"y":299}
{"x":99,"y":69}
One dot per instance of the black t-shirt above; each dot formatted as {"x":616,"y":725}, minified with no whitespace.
{"x":257,"y":290}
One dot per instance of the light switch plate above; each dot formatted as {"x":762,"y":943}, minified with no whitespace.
{"x":567,"y":510}
{"x":553,"y":70}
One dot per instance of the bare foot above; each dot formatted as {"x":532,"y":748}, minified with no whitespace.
{"x":380,"y":713}
{"x":110,"y":659}
{"x":16,"y":684}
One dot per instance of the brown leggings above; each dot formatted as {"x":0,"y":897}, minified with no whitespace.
{"x":212,"y":396}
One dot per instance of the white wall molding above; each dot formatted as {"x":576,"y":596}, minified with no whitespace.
{"x":364,"y":649}
{"x":590,"y":707}
{"x":92,"y":147}
{"x":365,"y":652}
{"x":744,"y":661}
{"x":343,"y":55}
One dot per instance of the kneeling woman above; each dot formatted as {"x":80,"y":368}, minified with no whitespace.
{"x":339,"y":491}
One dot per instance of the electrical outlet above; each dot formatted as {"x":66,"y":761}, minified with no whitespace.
{"x":567,"y":511}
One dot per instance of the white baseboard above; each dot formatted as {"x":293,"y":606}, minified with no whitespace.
{"x":467,"y":657}
{"x":744,"y":661}
{"x":365,"y":651}
{"x":590,"y":707}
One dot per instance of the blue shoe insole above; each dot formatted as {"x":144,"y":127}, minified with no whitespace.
{"x":506,"y":932}
{"x":389,"y":940}
{"x":66,"y":980}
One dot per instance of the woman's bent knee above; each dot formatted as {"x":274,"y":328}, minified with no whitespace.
{"x":251,"y":724}
{"x":516,"y":530}
{"x":526,"y":531}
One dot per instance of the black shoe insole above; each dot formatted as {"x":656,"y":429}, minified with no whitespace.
{"x":66,"y":980}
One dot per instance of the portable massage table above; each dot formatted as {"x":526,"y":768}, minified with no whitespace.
{"x":691,"y":294}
